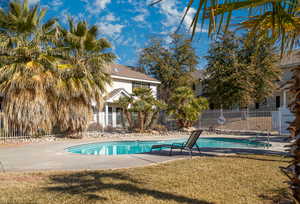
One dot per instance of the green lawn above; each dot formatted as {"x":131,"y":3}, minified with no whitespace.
{"x":236,"y":179}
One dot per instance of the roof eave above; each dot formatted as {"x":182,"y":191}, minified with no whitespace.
{"x":134,"y":79}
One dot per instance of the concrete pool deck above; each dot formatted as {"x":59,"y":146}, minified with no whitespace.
{"x":52,"y":155}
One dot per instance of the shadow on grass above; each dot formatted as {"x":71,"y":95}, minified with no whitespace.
{"x":229,"y":152}
{"x":89,"y":184}
{"x":281,"y":195}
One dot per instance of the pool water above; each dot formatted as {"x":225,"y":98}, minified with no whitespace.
{"x":135,"y":147}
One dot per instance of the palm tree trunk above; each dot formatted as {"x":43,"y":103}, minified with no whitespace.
{"x":128,"y":117}
{"x":141,"y":121}
{"x":153,"y":117}
{"x":295,"y":134}
{"x":146,"y":115}
{"x":122,"y":119}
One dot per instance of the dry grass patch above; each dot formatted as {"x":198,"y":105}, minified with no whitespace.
{"x":202,"y":180}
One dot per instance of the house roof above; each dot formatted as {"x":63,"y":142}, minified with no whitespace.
{"x":127,"y":72}
{"x":115,"y":92}
{"x":199,"y":74}
{"x":290,"y":60}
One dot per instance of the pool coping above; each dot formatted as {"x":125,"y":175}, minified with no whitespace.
{"x":264,"y":145}
{"x":53,"y":156}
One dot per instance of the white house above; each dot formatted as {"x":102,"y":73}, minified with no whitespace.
{"x":124,"y":80}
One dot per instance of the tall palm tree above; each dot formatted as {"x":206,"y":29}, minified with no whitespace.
{"x":24,"y":56}
{"x":84,"y":74}
{"x":277,"y":18}
{"x":49,"y":76}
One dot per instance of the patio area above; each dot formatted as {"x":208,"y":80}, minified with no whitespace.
{"x":52,"y":155}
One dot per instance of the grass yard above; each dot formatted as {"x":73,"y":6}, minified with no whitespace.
{"x":237,"y":179}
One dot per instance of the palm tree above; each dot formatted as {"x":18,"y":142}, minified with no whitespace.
{"x":84,"y":75}
{"x":48,"y":75}
{"x":124,"y":103}
{"x":143,"y":104}
{"x":26,"y":64}
{"x":185,"y":107}
{"x":281,"y":20}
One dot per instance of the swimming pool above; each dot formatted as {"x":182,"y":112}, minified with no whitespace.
{"x":135,"y":147}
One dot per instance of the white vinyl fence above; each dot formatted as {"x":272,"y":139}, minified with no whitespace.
{"x":223,"y":121}
{"x":247,"y":121}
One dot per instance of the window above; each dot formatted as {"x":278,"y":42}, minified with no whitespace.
{"x":194,"y":87}
{"x":119,"y":116}
{"x":256,"y":105}
{"x":137,"y":84}
{"x":110,"y":120}
{"x":277,"y":101}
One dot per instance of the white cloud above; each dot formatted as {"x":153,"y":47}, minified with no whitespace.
{"x":189,"y":19}
{"x":56,"y":3}
{"x":109,"y":29}
{"x":97,"y":6}
{"x":101,"y":4}
{"x":141,"y":17}
{"x":110,"y":17}
{"x":170,"y":9}
{"x":33,"y":2}
{"x":173,"y":14}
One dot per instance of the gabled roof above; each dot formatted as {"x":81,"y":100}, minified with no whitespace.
{"x":118,"y":70}
{"x":115,"y":94}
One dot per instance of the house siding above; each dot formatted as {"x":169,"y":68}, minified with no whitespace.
{"x":119,"y":83}
{"x":109,"y":119}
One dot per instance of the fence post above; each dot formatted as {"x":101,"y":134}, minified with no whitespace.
{"x":246,"y":118}
{"x":279,"y":121}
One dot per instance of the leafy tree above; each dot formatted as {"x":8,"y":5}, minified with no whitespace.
{"x":240,"y":72}
{"x":260,"y":56}
{"x":142,"y":103}
{"x":228,"y":82}
{"x":186,"y":107}
{"x":170,"y":64}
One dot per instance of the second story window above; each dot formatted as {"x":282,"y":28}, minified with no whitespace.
{"x":136,"y":84}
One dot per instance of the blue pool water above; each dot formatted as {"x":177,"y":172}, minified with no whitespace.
{"x":135,"y":147}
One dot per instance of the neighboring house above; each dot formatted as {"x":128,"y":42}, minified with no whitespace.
{"x":279,"y":99}
{"x":198,"y":76}
{"x":124,"y":80}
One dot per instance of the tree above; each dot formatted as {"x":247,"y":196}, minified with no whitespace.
{"x":278,"y":19}
{"x":171,"y":64}
{"x":49,"y":76}
{"x":143,"y":104}
{"x":84,"y":75}
{"x":260,"y":56}
{"x":240,"y":72}
{"x":26,"y":67}
{"x":185,"y":107}
{"x":228,"y":83}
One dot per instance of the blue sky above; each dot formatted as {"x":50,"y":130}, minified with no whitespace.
{"x":128,"y":24}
